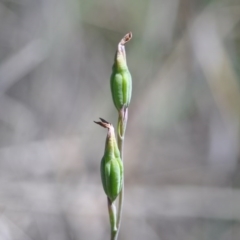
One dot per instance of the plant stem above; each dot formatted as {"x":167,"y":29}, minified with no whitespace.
{"x":122,"y":124}
{"x":112,"y":218}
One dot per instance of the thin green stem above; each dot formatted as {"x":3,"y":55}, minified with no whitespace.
{"x":122,"y":124}
{"x":112,"y":218}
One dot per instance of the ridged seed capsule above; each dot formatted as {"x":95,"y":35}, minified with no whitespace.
{"x":111,"y":164}
{"x":121,"y":80}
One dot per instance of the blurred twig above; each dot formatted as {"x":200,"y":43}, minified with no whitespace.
{"x":169,"y":201}
{"x":17,"y":66}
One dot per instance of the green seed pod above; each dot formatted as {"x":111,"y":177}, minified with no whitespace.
{"x":121,"y":80}
{"x":111,"y":164}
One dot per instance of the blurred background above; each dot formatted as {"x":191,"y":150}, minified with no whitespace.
{"x":182,"y":162}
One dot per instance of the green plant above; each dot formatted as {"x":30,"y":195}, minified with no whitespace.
{"x":112,"y":162}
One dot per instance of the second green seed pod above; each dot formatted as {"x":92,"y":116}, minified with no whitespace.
{"x":111,"y":164}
